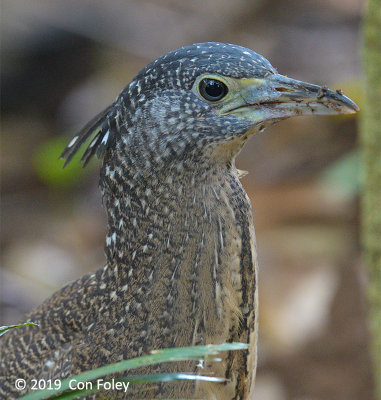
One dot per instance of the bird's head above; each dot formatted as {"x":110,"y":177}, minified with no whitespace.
{"x":201,"y":101}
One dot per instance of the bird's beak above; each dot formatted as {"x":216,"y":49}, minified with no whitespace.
{"x":279,"y":97}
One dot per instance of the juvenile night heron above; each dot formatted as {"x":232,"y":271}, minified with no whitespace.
{"x":181,"y":256}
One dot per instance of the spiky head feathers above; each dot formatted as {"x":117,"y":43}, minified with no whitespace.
{"x":160,"y":108}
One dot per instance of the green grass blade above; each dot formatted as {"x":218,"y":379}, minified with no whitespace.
{"x":4,"y":329}
{"x":157,"y":357}
{"x":136,"y":380}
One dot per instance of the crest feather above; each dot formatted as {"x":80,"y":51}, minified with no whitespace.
{"x":100,"y":125}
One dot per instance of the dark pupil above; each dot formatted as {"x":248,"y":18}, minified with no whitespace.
{"x":212,"y":89}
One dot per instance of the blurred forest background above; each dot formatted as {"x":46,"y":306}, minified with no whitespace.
{"x":62,"y":62}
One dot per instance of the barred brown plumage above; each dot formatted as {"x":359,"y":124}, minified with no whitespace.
{"x":180,"y":248}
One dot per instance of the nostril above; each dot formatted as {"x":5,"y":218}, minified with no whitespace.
{"x":281,"y":89}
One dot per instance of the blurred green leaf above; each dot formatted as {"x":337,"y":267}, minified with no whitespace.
{"x":344,"y":174}
{"x":49,"y":167}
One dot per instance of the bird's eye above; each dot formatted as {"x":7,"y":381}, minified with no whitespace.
{"x":212,"y":89}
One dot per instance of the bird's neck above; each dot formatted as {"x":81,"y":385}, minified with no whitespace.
{"x":146,"y":209}
{"x":179,"y":249}
{"x":148,"y":194}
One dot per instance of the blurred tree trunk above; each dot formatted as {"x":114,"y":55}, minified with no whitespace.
{"x":371,"y":196}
